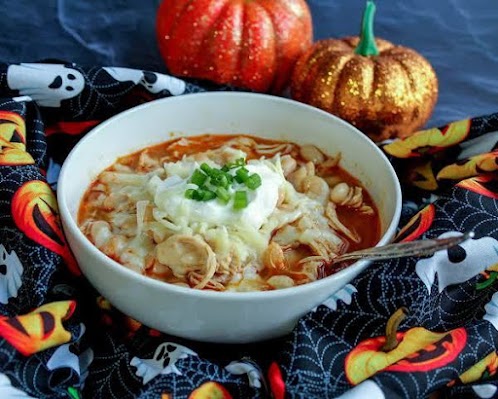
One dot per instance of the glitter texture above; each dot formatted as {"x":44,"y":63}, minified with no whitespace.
{"x":385,"y":96}
{"x":248,"y":44}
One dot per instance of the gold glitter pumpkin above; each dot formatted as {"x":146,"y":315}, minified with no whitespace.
{"x":385,"y":90}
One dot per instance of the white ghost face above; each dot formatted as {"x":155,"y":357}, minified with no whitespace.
{"x":163,"y":361}
{"x":157,"y":82}
{"x":459,"y":263}
{"x":47,"y":84}
{"x":10,"y":275}
{"x":64,"y":357}
{"x":152,"y":81}
{"x":124,"y":74}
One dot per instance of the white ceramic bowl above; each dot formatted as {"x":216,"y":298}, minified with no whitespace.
{"x":226,"y":317}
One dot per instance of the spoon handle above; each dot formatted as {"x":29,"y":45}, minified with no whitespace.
{"x":400,"y":250}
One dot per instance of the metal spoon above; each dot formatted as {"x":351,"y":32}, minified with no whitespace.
{"x":399,"y":250}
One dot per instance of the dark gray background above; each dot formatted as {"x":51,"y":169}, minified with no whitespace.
{"x":459,"y":37}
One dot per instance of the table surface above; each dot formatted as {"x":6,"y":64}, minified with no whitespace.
{"x":459,"y":37}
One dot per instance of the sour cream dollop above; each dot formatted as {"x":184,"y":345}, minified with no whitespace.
{"x":169,"y":197}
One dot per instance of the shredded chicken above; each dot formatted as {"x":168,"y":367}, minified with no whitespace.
{"x":273,"y":257}
{"x":336,"y":224}
{"x":185,"y":254}
{"x":128,"y":218}
{"x":352,"y":197}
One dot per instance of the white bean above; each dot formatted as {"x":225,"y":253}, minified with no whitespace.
{"x":311,"y":153}
{"x":339,"y":193}
{"x":297,"y":177}
{"x":288,"y":163}
{"x":315,"y":187}
{"x":280,"y":281}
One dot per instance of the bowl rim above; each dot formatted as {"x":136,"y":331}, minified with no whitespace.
{"x":116,"y":267}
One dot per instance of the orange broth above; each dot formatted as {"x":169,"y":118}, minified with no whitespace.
{"x":366,"y":225}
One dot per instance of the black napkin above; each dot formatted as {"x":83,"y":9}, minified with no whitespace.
{"x":61,"y":339}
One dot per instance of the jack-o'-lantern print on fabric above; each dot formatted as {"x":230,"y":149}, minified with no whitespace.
{"x":40,"y":329}
{"x":483,"y":370}
{"x":13,"y":140}
{"x":435,"y":159}
{"x":347,"y":346}
{"x":210,"y":390}
{"x":36,"y":214}
{"x":414,"y":350}
{"x":485,"y":185}
{"x":417,"y":225}
{"x":479,"y":164}
{"x":430,"y":140}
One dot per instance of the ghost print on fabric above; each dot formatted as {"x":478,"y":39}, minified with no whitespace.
{"x":11,"y":270}
{"x":311,"y":359}
{"x":47,"y":84}
{"x":344,"y":295}
{"x":162,"y":362}
{"x":459,"y":263}
{"x":153,"y":82}
{"x":65,"y":357}
{"x":7,"y":391}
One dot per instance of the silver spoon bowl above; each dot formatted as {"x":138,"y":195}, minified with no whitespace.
{"x":400,"y":250}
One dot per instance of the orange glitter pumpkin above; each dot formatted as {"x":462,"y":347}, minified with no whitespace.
{"x":385,"y":90}
{"x":248,"y":44}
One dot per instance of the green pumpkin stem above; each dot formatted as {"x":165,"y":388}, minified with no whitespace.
{"x":367,"y":45}
{"x":392,"y":329}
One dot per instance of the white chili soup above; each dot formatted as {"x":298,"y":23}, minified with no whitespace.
{"x":228,"y":212}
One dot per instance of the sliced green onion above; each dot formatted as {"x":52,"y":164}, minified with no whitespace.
{"x":198,"y":194}
{"x":206,"y":169}
{"x":198,"y":178}
{"x":240,"y":200}
{"x":229,"y":178}
{"x":189,"y":193}
{"x":241,"y":175}
{"x":219,"y":180}
{"x":208,"y":195}
{"x":253,"y":181}
{"x":214,"y":183}
{"x":203,"y":195}
{"x":223,"y":195}
{"x":235,"y":164}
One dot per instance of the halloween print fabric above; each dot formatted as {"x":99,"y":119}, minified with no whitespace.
{"x":404,"y":328}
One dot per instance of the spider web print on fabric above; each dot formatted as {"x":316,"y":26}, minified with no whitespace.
{"x":197,"y":371}
{"x":103,"y":96}
{"x":32,"y":373}
{"x":114,"y":378}
{"x":42,"y":262}
{"x":314,"y":359}
{"x":484,"y":124}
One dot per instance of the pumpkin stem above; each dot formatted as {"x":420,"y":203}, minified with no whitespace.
{"x":367,"y":45}
{"x":392,"y":329}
